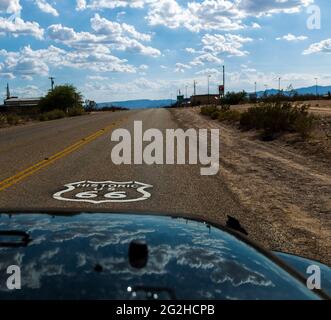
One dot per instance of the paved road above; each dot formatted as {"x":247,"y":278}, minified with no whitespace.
{"x":56,"y":154}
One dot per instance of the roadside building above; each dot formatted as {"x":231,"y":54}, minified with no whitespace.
{"x":12,"y":103}
{"x":21,"y":102}
{"x":203,"y":99}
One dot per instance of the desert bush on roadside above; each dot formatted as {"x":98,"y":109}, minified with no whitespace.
{"x":76,"y":111}
{"x":224,"y":113}
{"x":3,"y":119}
{"x":229,"y":115}
{"x":233,"y":98}
{"x":208,"y":110}
{"x":52,"y":115}
{"x":13,"y":119}
{"x":278,"y":118}
{"x":304,"y":125}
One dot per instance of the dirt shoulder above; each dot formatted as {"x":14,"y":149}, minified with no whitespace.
{"x":285,"y":192}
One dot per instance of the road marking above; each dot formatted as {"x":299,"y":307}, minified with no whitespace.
{"x":8,"y":182}
{"x":97,"y":192}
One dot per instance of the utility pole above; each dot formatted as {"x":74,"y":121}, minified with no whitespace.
{"x":186,"y":91}
{"x":194,"y":88}
{"x":255,"y":88}
{"x":52,"y":82}
{"x":316,"y":87}
{"x":279,"y":79}
{"x":208,"y":77}
{"x":224,"y":80}
{"x":8,"y":92}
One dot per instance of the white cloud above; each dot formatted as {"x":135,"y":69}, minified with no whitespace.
{"x":143,"y":67}
{"x":104,"y":4}
{"x":114,"y":30}
{"x":255,"y":25}
{"x":10,"y":6}
{"x":208,"y":15}
{"x":261,"y":7}
{"x":113,"y":35}
{"x":229,"y":44}
{"x":80,"y":5}
{"x":190,"y":50}
{"x":217,"y":14}
{"x":222,"y":15}
{"x":29,"y":63}
{"x":206,"y":58}
{"x":323,"y":47}
{"x":208,"y":71}
{"x":19,"y":27}
{"x":28,"y":91}
{"x":44,"y":6}
{"x":97,"y":78}
{"x":291,"y":37}
{"x":181,"y":67}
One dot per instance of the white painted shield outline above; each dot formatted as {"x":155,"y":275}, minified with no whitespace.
{"x":71,"y":187}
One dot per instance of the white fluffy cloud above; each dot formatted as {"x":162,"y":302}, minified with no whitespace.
{"x":291,"y":37}
{"x":115,"y":30}
{"x":206,"y":57}
{"x":201,"y":15}
{"x":116,"y":36}
{"x":217,"y":14}
{"x":10,"y":6}
{"x":207,"y":15}
{"x":28,"y":63}
{"x":229,"y":44}
{"x":260,"y":7}
{"x":44,"y":6}
{"x":181,"y":67}
{"x":216,"y":46}
{"x":323,"y":46}
{"x":19,"y":27}
{"x":106,"y":4}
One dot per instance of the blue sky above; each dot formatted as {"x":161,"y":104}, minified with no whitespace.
{"x":130,"y":49}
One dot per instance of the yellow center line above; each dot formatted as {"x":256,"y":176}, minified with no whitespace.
{"x":4,"y":184}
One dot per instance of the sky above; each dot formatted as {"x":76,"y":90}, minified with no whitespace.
{"x":149,"y":49}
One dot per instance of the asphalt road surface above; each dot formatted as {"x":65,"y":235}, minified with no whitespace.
{"x":39,"y":159}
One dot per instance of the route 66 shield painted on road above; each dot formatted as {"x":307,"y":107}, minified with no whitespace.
{"x":104,"y":191}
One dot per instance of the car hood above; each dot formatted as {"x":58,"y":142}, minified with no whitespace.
{"x":85,"y":256}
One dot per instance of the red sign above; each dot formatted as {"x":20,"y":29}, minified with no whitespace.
{"x":221,"y":89}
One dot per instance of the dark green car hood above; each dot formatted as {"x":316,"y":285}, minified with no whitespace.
{"x":85,"y":256}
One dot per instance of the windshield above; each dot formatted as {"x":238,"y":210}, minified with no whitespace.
{"x":214,"y":110}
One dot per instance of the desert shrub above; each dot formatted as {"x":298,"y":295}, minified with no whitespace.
{"x":52,"y":115}
{"x":3,"y":119}
{"x":229,"y":115}
{"x":13,"y":119}
{"x":76,"y":111}
{"x":232,"y":98}
{"x":214,"y":114}
{"x":278,"y":118}
{"x":304,"y":124}
{"x":208,"y":110}
{"x":43,"y":117}
{"x":225,"y":107}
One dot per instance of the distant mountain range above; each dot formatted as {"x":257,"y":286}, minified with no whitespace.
{"x":146,"y":103}
{"x":138,"y":104}
{"x":307,"y":90}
